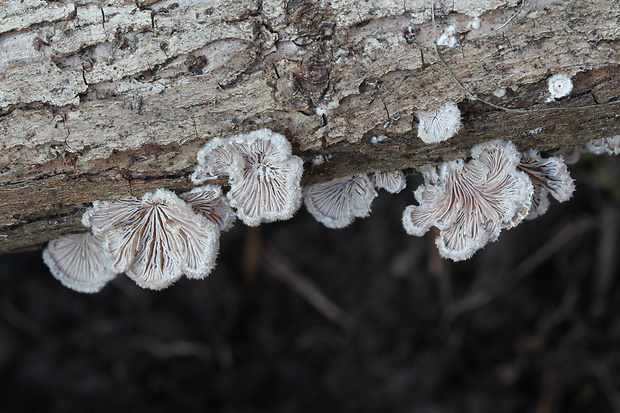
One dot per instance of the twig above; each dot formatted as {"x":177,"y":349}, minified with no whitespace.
{"x":251,"y":256}
{"x":283,"y":271}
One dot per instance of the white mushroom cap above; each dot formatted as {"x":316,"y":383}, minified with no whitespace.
{"x":470,"y":203}
{"x":156,"y":239}
{"x":609,"y":146}
{"x":216,"y":158}
{"x":267,"y":188}
{"x":559,"y":86}
{"x":393,"y":182}
{"x":440,"y":124}
{"x":79,"y":262}
{"x":338,"y":202}
{"x":549,"y":176}
{"x":208,"y":201}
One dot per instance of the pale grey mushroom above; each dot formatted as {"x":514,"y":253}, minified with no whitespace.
{"x":265,"y":183}
{"x":393,"y":182}
{"x":609,"y":146}
{"x":155,"y":239}
{"x":440,"y":124}
{"x":338,"y":202}
{"x":559,"y":86}
{"x":470,"y":203}
{"x":217,"y":158}
{"x":80,"y":262}
{"x":549,"y":176}
{"x":209,"y":201}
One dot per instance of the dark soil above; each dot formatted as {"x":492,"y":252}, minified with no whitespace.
{"x":530,"y":324}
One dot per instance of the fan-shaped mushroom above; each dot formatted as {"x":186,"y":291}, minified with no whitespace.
{"x":80,"y":262}
{"x":549,"y":176}
{"x":156,"y":239}
{"x":338,"y":202}
{"x":470,"y":203}
{"x":216,"y":158}
{"x":393,"y":182}
{"x":440,"y":124}
{"x":264,"y":174}
{"x":209,"y":201}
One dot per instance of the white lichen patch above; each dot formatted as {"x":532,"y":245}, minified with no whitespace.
{"x":79,"y":262}
{"x":470,"y":203}
{"x":155,"y":239}
{"x":440,"y":124}
{"x":338,"y":202}
{"x":549,"y":176}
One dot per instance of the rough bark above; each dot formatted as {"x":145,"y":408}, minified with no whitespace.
{"x":100,"y":101}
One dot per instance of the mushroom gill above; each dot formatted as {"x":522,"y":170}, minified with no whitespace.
{"x":470,"y":203}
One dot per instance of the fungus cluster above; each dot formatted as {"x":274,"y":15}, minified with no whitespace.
{"x":160,"y":237}
{"x":470,"y":203}
{"x":264,"y":175}
{"x":609,"y":146}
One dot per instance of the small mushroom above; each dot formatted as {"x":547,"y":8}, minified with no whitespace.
{"x":338,"y":202}
{"x":264,"y":175}
{"x":470,"y":203}
{"x":155,"y":239}
{"x":609,"y":146}
{"x":440,"y":124}
{"x":393,"y":182}
{"x":216,"y":158}
{"x":559,"y":86}
{"x":208,"y":201}
{"x":549,"y":176}
{"x":80,"y":262}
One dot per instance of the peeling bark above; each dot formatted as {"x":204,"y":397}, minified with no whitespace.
{"x":100,"y":101}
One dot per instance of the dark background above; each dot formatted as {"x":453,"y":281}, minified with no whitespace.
{"x":300,"y":318}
